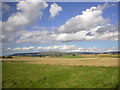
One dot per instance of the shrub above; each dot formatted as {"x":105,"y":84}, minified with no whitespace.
{"x":73,"y":54}
{"x":3,"y":56}
{"x":9,"y":57}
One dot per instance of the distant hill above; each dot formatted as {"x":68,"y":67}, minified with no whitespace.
{"x":98,"y":52}
{"x":57,"y":53}
{"x":42,"y":53}
{"x":112,"y":52}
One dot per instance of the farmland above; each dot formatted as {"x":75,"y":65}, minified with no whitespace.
{"x":81,"y":71}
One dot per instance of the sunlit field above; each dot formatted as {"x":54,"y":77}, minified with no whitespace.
{"x":82,"y":71}
{"x":60,"y":44}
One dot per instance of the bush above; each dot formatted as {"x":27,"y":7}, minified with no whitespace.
{"x":3,"y":56}
{"x":9,"y":57}
{"x":40,"y":55}
{"x":73,"y":54}
{"x":95,"y":54}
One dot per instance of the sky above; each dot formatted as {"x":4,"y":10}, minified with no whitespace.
{"x":59,"y":26}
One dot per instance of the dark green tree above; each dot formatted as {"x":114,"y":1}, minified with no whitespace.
{"x":73,"y":54}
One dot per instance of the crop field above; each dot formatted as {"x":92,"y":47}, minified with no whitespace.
{"x":82,"y":71}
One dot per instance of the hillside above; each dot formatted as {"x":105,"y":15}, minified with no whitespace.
{"x":41,"y":53}
{"x":56,"y":53}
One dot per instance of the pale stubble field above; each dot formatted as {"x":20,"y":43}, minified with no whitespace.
{"x":88,"y":61}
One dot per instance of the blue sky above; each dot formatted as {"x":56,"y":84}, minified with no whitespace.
{"x":23,"y":37}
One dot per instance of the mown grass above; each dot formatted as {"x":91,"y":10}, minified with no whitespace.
{"x":23,"y":75}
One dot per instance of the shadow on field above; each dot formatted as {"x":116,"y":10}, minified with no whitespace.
{"x":117,"y":87}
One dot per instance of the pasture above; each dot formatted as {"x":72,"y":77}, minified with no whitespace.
{"x":88,"y":71}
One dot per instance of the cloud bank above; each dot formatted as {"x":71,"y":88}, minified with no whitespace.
{"x":90,"y":25}
{"x":60,"y":48}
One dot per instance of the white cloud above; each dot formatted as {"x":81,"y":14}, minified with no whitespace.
{"x":24,"y":17}
{"x":43,"y":37}
{"x":108,"y":32}
{"x":35,"y":37}
{"x":21,"y":49}
{"x":112,"y":49}
{"x":90,"y":25}
{"x":54,"y":10}
{"x":78,"y":36}
{"x":89,"y":19}
{"x":61,"y":48}
{"x":90,"y":49}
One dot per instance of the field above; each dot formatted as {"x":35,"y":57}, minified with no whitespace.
{"x":84,"y":71}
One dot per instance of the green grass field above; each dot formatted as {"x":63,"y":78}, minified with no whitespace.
{"x":24,"y":75}
{"x":69,"y":56}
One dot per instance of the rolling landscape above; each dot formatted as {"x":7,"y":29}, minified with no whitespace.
{"x":59,"y":45}
{"x":78,"y":71}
